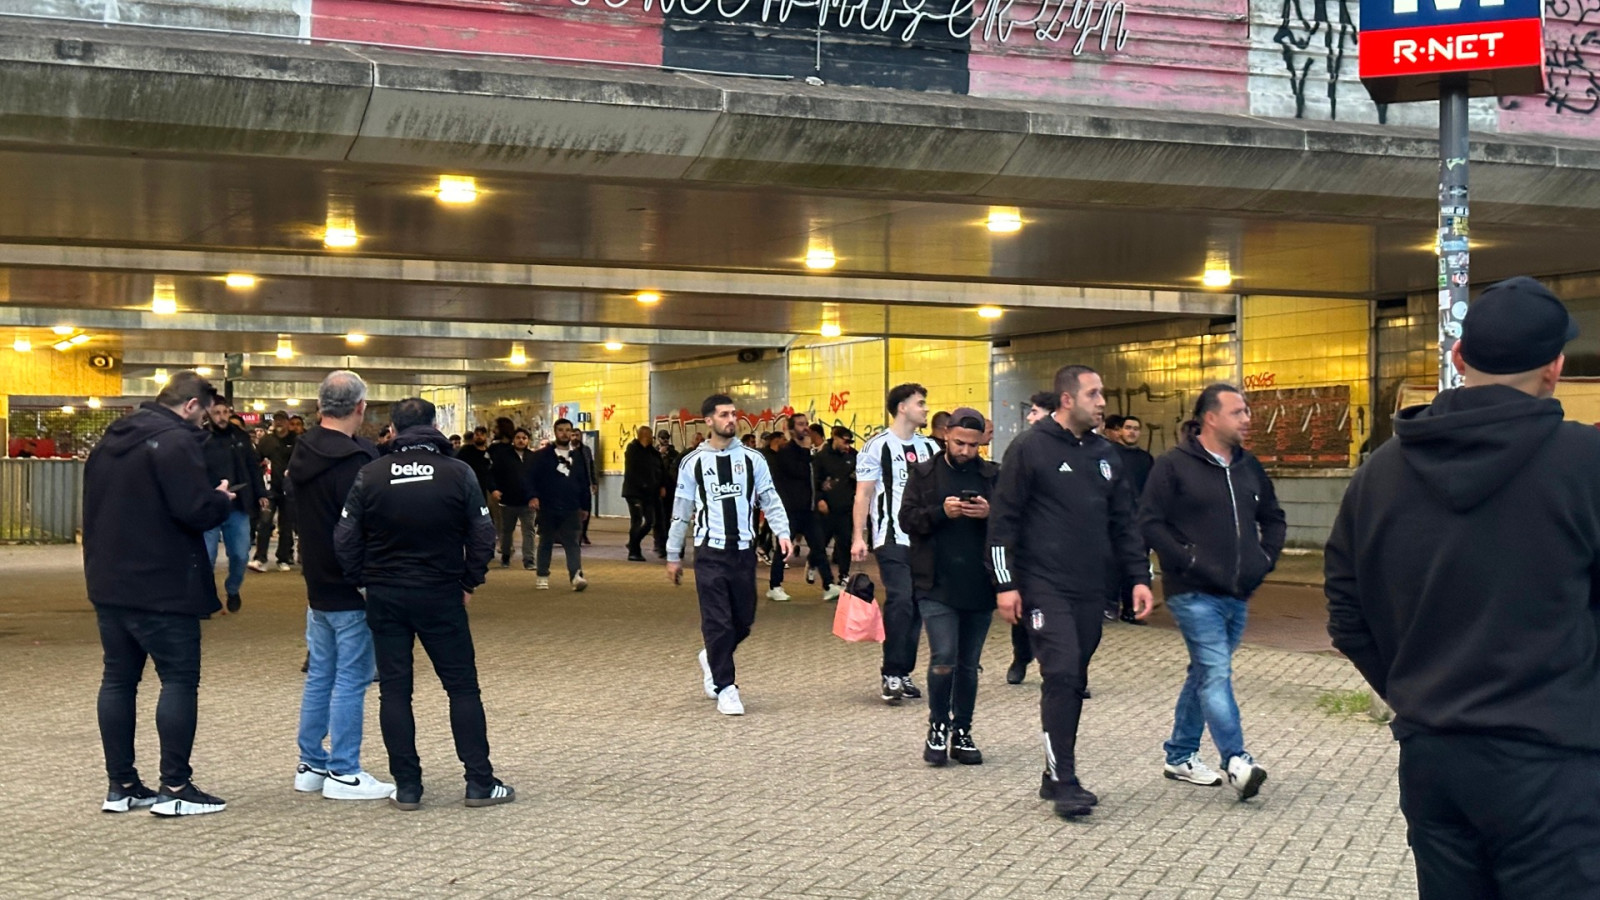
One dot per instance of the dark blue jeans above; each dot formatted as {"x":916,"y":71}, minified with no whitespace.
{"x":1212,"y":627}
{"x":955,"y":647}
{"x":128,"y":637}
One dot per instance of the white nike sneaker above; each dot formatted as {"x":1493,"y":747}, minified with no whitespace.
{"x":728,"y":702}
{"x":1245,"y":776}
{"x":832,"y":594}
{"x":1193,"y":771}
{"x":308,"y":780}
{"x":542,"y":584}
{"x":709,"y":683}
{"x":360,"y":786}
{"x":579,"y":582}
{"x":778,"y":595}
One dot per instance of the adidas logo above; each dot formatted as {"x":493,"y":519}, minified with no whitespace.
{"x":1064,"y":468}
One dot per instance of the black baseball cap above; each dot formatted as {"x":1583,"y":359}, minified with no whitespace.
{"x":1515,"y":326}
{"x":966,"y":417}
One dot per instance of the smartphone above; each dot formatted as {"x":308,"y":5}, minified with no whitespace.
{"x":969,"y":496}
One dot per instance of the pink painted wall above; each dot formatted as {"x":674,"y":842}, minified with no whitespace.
{"x":547,"y":28}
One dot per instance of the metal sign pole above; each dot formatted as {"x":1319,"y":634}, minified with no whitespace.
{"x":1454,"y":256}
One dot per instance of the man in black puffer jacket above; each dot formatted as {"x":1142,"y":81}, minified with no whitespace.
{"x":230,"y":457}
{"x":147,"y":505}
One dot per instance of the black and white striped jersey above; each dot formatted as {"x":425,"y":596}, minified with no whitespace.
{"x":719,"y":491}
{"x":886,"y":462}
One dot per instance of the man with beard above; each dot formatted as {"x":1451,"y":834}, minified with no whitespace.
{"x":643,"y":485}
{"x":231,"y":458}
{"x":791,"y":475}
{"x":513,"y":472}
{"x":476,"y":455}
{"x":558,"y":488}
{"x":835,"y":472}
{"x":275,"y":449}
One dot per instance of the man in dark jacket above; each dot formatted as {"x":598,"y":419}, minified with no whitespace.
{"x":275,"y":449}
{"x":1061,"y":510}
{"x":643,"y":486}
{"x":339,"y":668}
{"x":1463,"y":581}
{"x":1138,"y":462}
{"x":791,"y":475}
{"x":476,"y":455}
{"x":512,"y":463}
{"x":231,"y":458}
{"x":834,"y":471}
{"x":670,"y":457}
{"x":416,"y":535}
{"x":946,"y":511}
{"x":1212,"y":517}
{"x":147,"y":504}
{"x":558,"y":489}
{"x":579,"y":443}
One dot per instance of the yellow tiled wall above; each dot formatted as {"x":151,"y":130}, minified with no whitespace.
{"x":46,"y":372}
{"x":618,"y":396}
{"x":840,"y":383}
{"x":1292,"y":342}
{"x":956,"y":373}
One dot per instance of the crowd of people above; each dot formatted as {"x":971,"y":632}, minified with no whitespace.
{"x":1487,"y":655}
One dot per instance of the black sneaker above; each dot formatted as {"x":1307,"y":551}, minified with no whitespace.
{"x":528,"y":564}
{"x":1131,"y":619}
{"x":936,"y":751}
{"x":893,"y":689}
{"x":1017,"y":672}
{"x":635,"y":556}
{"x":1111,"y":615}
{"x":121,"y":799}
{"x":1083,"y":693}
{"x":909,"y":690}
{"x":233,"y":603}
{"x":1048,"y":789}
{"x":185,"y":801}
{"x":505,"y":563}
{"x":963,"y":750}
{"x":407,"y":797}
{"x":490,"y":795}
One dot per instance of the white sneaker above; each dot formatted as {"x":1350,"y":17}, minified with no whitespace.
{"x":706,"y":680}
{"x":542,"y":584}
{"x":832,"y":594}
{"x":359,"y":786}
{"x":728,"y":702}
{"x":256,"y":566}
{"x":778,"y":595}
{"x":308,"y":780}
{"x":284,"y":567}
{"x":579,"y":582}
{"x":1245,"y":776}
{"x":1193,"y":771}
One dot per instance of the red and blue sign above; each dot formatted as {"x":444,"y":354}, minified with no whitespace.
{"x":1408,"y":46}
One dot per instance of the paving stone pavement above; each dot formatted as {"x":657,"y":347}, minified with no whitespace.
{"x":630,"y":785}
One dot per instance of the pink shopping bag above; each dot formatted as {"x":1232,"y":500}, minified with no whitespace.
{"x":858,"y":618}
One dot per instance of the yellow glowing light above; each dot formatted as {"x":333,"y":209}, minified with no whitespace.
{"x":457,"y":189}
{"x":519,"y":357}
{"x":990,"y":312}
{"x":613,"y":346}
{"x":63,"y":346}
{"x":239,"y":281}
{"x":355,"y":338}
{"x":1004,"y":220}
{"x":258,"y":406}
{"x":820,"y":258}
{"x":160,"y":376}
{"x":203,"y":371}
{"x":1217,"y":278}
{"x":62,"y":330}
{"x":831,"y":330}
{"x":339,"y":238}
{"x":79,"y":339}
{"x":648,"y":297}
{"x":94,"y":403}
{"x":291,"y":401}
{"x":285,"y":348}
{"x":22,"y":345}
{"x":68,"y":409}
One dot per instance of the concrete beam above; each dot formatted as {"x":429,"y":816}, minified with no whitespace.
{"x":260,"y":363}
{"x":304,"y":391}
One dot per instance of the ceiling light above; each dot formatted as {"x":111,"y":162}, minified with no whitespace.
{"x":203,"y":371}
{"x":291,"y":401}
{"x":258,"y":406}
{"x":239,"y":281}
{"x":94,"y":403}
{"x":339,"y":232}
{"x":160,"y":376}
{"x":22,"y":345}
{"x":63,"y":346}
{"x":831,"y":330}
{"x":1004,"y":220}
{"x":457,"y":189}
{"x":648,"y":297}
{"x":68,"y":409}
{"x":79,"y":339}
{"x":355,"y":338}
{"x":990,"y":312}
{"x":285,"y":347}
{"x":63,"y":330}
{"x":613,"y":346}
{"x":164,"y":296}
{"x":820,"y":258}
{"x":1219,"y":277}
{"x":519,"y":357}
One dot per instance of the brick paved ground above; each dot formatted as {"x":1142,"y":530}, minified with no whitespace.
{"x":630,"y":785}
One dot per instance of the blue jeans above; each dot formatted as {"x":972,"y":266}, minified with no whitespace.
{"x":234,"y":534}
{"x":337,"y":678}
{"x":1212,"y":627}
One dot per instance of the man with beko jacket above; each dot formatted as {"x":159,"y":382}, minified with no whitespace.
{"x":415,"y":533}
{"x":1211,"y":515}
{"x":147,"y":505}
{"x":1463,"y":581}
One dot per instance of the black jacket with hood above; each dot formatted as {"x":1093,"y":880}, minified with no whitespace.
{"x":415,"y":519}
{"x":147,"y":504}
{"x":791,"y":477}
{"x":1463,"y":567}
{"x":560,"y":485}
{"x":512,"y":472}
{"x":1217,"y":529}
{"x":229,"y":455}
{"x":835,"y":475}
{"x":1061,"y":518}
{"x":947,"y":554}
{"x":644,"y":472}
{"x":321,"y":471}
{"x":276,"y":451}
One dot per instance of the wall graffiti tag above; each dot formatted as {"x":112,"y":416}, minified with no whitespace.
{"x":1571,"y":59}
{"x":1332,"y":22}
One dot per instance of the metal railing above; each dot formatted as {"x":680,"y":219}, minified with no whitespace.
{"x":41,"y":500}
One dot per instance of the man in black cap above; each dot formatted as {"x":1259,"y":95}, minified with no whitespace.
{"x":1462,"y":578}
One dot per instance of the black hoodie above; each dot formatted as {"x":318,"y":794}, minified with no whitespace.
{"x":230,"y":455}
{"x":416,"y":519}
{"x":147,"y":504}
{"x":1461,"y":573}
{"x":321,"y":471}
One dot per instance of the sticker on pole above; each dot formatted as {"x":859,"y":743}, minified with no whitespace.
{"x":1408,"y":46}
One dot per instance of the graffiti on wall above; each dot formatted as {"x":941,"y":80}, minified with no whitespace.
{"x":1307,"y":427}
{"x":686,"y":425}
{"x":1160,"y":412}
{"x":1571,"y":59}
{"x":1327,"y":36}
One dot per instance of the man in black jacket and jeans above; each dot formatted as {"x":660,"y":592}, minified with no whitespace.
{"x":1462,"y":578}
{"x":230,"y":457}
{"x":1210,"y":512}
{"x":946,"y":512}
{"x":558,"y":487}
{"x":512,"y":467}
{"x":644,"y":477}
{"x":415,"y":533}
{"x":147,"y":504}
{"x":1062,"y":508}
{"x":276,"y":448}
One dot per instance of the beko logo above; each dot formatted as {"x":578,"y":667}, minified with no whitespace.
{"x":722,"y":491}
{"x":410,"y":472}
